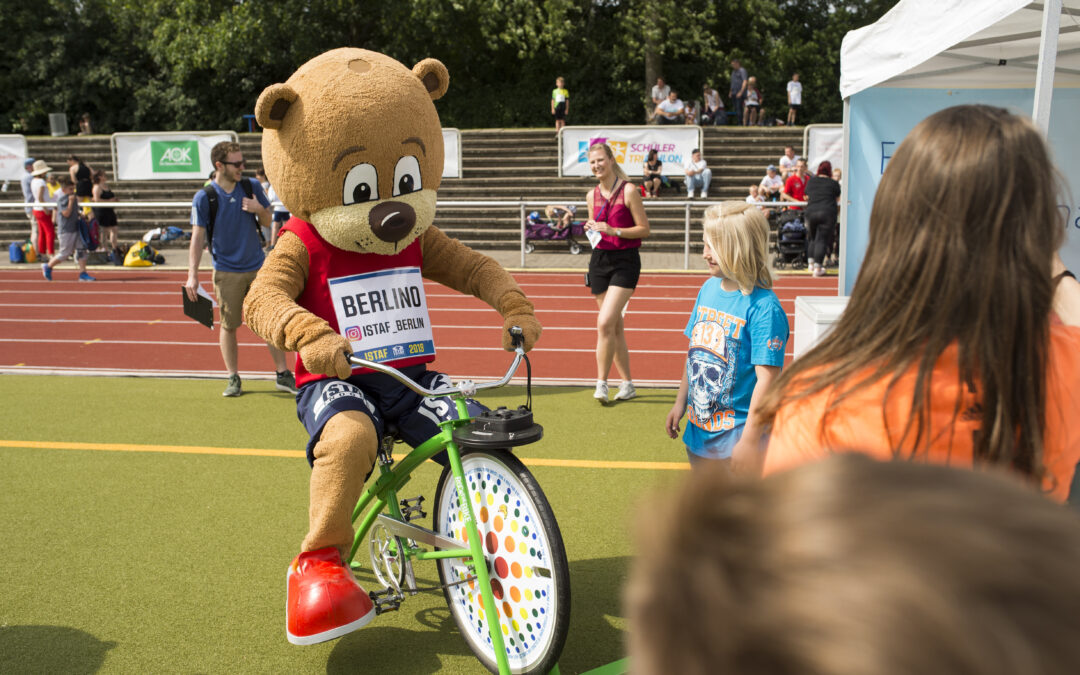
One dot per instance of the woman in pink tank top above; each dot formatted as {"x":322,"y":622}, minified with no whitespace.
{"x":618,"y":216}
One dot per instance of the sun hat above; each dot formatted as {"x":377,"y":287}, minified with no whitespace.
{"x":40,"y":167}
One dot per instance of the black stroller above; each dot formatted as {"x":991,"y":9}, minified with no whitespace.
{"x":791,"y":241}
{"x":538,"y":228}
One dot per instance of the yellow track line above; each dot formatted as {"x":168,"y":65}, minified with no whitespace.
{"x":263,"y":452}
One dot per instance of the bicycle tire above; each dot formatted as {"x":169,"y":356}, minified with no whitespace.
{"x":521,"y":542}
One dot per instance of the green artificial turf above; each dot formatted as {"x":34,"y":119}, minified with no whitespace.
{"x":162,"y":562}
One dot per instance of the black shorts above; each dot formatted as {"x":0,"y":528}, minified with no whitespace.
{"x":560,"y":111}
{"x":383,"y":399}
{"x":621,"y":267}
{"x":796,"y":106}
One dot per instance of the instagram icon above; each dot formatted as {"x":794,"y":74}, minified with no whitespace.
{"x":353,"y":334}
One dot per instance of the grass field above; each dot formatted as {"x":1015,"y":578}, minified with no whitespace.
{"x":145,"y":550}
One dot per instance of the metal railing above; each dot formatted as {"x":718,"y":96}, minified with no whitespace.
{"x":523,"y":208}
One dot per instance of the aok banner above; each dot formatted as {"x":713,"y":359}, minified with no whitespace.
{"x":165,"y":155}
{"x":631,"y":145}
{"x":12,"y":154}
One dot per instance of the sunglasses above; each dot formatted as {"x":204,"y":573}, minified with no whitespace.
{"x":238,"y":165}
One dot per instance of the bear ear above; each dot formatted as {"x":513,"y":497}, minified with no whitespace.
{"x":432,"y":74}
{"x":273,"y":104}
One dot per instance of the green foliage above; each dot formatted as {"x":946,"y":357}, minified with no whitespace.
{"x":183,"y":64}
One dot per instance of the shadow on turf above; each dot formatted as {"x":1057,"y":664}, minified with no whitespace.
{"x":50,"y":649}
{"x":595,"y":638}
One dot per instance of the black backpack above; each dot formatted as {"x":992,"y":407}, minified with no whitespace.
{"x":212,"y":199}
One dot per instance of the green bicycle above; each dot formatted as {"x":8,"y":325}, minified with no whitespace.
{"x":500,"y":556}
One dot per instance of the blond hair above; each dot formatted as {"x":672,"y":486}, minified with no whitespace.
{"x":849,"y":565}
{"x":738,"y":234}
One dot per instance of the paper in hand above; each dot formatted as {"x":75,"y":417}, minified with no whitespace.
{"x":201,"y":309}
{"x":594,"y":237}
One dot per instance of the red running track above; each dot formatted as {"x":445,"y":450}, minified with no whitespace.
{"x":130,"y":322}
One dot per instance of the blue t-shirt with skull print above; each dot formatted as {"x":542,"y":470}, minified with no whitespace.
{"x":729,"y":333}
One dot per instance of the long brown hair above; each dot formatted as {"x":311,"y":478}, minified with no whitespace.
{"x":962,"y":230}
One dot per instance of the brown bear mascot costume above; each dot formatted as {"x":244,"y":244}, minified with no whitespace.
{"x":353,"y":147}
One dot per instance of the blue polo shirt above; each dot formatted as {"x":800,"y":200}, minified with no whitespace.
{"x":236,"y":246}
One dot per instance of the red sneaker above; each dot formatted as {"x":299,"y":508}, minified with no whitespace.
{"x":324,"y":601}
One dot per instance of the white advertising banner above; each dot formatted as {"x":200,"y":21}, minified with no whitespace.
{"x":630,"y":145}
{"x":823,"y":142}
{"x":451,"y":153}
{"x":12,"y":154}
{"x":165,"y":155}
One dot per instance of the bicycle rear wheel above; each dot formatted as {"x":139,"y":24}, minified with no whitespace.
{"x":530,"y":577}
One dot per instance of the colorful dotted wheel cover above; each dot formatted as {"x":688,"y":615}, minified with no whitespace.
{"x":518,"y":553}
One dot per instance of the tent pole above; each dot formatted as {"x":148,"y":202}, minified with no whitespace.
{"x":845,"y":203}
{"x":1044,"y":79}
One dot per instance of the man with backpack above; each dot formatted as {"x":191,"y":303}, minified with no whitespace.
{"x":227,"y":215}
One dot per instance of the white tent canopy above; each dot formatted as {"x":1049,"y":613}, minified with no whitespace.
{"x":958,"y":44}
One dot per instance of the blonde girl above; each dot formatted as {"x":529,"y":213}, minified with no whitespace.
{"x":737,"y":332}
{"x":617,"y":214}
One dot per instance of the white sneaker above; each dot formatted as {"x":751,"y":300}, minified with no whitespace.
{"x":601,"y":393}
{"x":626,"y":392}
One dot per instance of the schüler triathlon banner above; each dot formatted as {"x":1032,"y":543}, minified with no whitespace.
{"x":879,"y":119}
{"x":165,"y":155}
{"x":631,"y":145}
{"x":451,"y":153}
{"x":12,"y":154}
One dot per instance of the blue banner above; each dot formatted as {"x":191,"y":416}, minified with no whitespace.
{"x":879,"y":119}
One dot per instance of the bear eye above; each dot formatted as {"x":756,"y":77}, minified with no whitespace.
{"x":361,"y":185}
{"x":406,"y":176}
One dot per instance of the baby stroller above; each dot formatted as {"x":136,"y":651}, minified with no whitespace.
{"x":791,"y":241}
{"x":539,"y":228}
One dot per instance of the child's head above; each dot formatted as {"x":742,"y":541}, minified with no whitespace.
{"x":753,"y":190}
{"x":752,"y":81}
{"x":560,"y":82}
{"x":66,"y":184}
{"x":850,"y":565}
{"x":837,"y":174}
{"x":736,"y":245}
{"x":795,"y":77}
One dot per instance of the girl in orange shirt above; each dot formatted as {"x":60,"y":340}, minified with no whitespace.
{"x":961,"y":341}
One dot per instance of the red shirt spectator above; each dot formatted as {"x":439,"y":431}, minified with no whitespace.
{"x":795,"y":185}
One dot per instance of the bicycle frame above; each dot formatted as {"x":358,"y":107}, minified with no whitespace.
{"x":382,"y":494}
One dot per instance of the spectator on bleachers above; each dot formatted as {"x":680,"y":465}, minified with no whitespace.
{"x":795,"y":185}
{"x":82,"y":176}
{"x":84,"y":125}
{"x":787,"y":161}
{"x":960,"y":343}
{"x":106,"y":216}
{"x":280,"y":213}
{"x":698,"y":175}
{"x":658,"y":95}
{"x":671,"y":110}
{"x":794,"y":98}
{"x":837,"y":174}
{"x":771,"y":185}
{"x":52,"y":183}
{"x":693,"y":112}
{"x":737,"y":92}
{"x":754,"y":101}
{"x":652,"y":174}
{"x":560,"y":103}
{"x":712,"y":111}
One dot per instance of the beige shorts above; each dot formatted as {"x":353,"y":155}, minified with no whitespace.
{"x":231,"y":288}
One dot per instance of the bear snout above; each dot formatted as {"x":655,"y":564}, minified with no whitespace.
{"x":391,"y":221}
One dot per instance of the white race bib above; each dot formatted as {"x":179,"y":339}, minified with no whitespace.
{"x":384,"y":314}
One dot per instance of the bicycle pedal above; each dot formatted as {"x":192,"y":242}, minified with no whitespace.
{"x":386,"y":600}
{"x":413,"y":508}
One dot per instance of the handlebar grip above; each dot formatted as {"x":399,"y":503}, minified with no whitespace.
{"x":517,"y":336}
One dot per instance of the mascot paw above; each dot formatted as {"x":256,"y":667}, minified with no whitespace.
{"x":325,"y":355}
{"x":530,"y":329}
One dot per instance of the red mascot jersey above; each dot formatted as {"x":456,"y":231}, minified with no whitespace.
{"x":376,"y":302}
